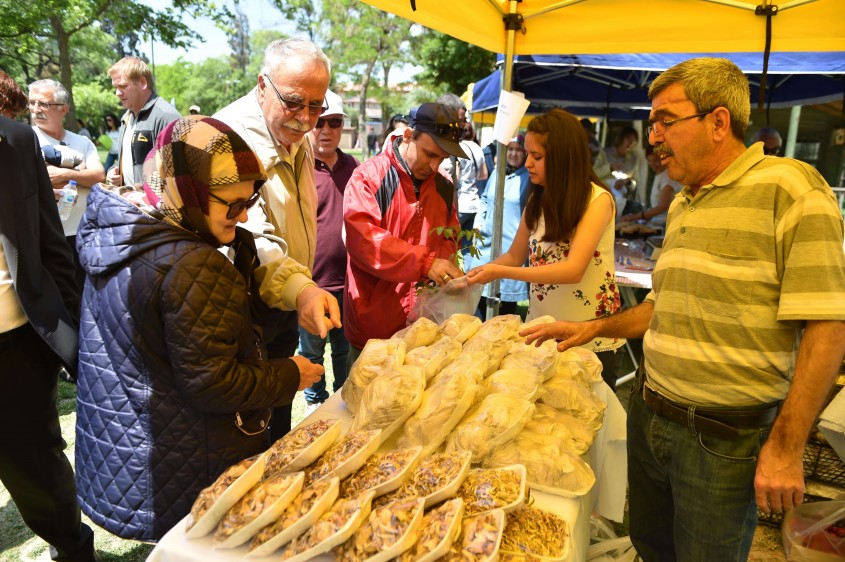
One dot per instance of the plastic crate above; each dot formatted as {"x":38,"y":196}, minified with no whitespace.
{"x":822,"y":464}
{"x":776,"y":519}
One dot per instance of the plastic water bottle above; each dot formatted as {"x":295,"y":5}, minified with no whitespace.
{"x":68,"y":198}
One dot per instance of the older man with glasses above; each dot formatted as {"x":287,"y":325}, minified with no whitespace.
{"x":274,"y":118}
{"x":48,"y":106}
{"x":752,"y":264}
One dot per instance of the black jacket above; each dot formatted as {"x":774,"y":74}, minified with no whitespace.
{"x":36,"y":250}
{"x":168,"y":356}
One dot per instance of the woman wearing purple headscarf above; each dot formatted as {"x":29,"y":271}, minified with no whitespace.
{"x":174,"y":384}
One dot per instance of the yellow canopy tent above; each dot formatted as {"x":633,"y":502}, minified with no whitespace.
{"x":631,"y":26}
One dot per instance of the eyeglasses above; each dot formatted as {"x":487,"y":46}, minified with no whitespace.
{"x":238,"y":207}
{"x":659,"y":127}
{"x":297,"y":106}
{"x":43,"y":104}
{"x":334,"y":123}
{"x":771,"y":150}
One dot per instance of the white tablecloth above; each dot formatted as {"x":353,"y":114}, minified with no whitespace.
{"x":607,"y":498}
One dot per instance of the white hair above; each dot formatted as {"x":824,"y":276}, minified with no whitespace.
{"x":279,"y":51}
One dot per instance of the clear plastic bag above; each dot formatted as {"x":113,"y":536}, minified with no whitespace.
{"x":573,"y":397}
{"x":420,"y":333}
{"x":576,"y":435}
{"x":550,"y":467}
{"x":497,"y":420}
{"x":815,"y":532}
{"x":439,"y":303}
{"x":390,"y":399}
{"x":375,"y":358}
{"x":543,"y":358}
{"x":521,"y":383}
{"x":460,"y":326}
{"x":591,"y":362}
{"x":432,"y":358}
{"x":443,"y":405}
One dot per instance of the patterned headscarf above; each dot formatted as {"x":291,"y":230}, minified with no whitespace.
{"x":192,"y":156}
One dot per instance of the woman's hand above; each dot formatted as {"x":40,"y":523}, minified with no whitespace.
{"x":484,"y":274}
{"x":309,"y":373}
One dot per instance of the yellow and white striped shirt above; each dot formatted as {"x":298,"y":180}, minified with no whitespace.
{"x":744,"y":263}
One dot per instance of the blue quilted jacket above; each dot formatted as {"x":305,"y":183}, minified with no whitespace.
{"x":171,"y":387}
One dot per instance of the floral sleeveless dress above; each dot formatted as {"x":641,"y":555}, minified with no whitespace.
{"x":596,"y":295}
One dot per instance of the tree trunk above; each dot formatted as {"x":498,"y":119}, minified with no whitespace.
{"x":63,"y":43}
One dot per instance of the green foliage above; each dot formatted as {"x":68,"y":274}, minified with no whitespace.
{"x":93,"y":101}
{"x":450,"y":64}
{"x":211,"y":84}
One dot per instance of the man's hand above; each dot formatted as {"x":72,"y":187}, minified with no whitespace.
{"x":312,"y":305}
{"x":309,"y":373}
{"x":779,"y":481}
{"x":567,"y":334}
{"x":114,"y":178}
{"x":58,"y":176}
{"x":442,"y":271}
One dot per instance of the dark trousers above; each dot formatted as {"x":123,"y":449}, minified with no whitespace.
{"x":33,"y":466}
{"x":284,"y":344}
{"x":505,"y":307}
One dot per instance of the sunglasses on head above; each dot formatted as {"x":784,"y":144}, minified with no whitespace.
{"x":334,"y":122}
{"x":238,"y":207}
{"x":452,"y":131}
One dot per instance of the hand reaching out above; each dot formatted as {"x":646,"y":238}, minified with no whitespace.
{"x":312,"y":305}
{"x":484,"y":274}
{"x":567,"y":334}
{"x":309,"y":372}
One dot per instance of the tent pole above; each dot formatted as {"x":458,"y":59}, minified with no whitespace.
{"x":792,"y":134}
{"x":511,"y":25}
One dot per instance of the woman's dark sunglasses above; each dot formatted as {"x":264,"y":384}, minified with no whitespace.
{"x":238,"y":207}
{"x":334,"y":122}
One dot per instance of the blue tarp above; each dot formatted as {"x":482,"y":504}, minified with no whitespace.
{"x":616,"y":86}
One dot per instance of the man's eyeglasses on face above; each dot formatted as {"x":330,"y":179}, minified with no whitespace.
{"x":771,"y":150}
{"x":43,"y":104}
{"x":659,"y":127}
{"x":238,"y":207}
{"x":294,"y":105}
{"x":334,"y":122}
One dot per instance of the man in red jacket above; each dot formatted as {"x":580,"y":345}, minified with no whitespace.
{"x":391,"y":206}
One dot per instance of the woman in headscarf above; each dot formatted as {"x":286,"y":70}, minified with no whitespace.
{"x":174,"y":384}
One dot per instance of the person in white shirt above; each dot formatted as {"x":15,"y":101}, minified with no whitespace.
{"x":48,"y":105}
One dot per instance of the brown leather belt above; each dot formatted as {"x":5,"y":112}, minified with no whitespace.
{"x":717,"y":422}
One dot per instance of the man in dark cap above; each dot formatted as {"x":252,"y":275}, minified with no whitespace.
{"x":391,"y":206}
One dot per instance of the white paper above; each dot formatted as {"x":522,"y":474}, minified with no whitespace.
{"x":511,"y":110}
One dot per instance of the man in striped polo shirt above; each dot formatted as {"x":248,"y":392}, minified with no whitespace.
{"x":743,"y":332}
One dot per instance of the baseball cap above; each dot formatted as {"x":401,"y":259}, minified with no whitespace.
{"x":335,"y":104}
{"x":194,"y":108}
{"x":441,"y":122}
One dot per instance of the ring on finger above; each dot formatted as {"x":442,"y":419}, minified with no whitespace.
{"x":446,"y":276}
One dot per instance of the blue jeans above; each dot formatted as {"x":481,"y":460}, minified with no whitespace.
{"x":313,"y":348}
{"x":691,"y":495}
